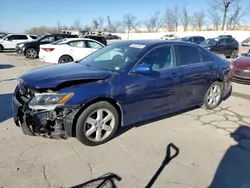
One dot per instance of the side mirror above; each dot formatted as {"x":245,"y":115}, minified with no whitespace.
{"x":143,"y":69}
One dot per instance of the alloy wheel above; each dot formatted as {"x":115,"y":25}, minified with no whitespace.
{"x":214,"y":96}
{"x":31,"y":53}
{"x":99,"y":125}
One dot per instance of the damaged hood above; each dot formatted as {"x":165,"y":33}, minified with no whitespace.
{"x":51,"y":76}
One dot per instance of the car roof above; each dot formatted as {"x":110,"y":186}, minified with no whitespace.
{"x":155,"y":42}
{"x":74,"y":39}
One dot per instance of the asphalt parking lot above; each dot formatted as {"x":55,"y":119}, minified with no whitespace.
{"x":207,"y":150}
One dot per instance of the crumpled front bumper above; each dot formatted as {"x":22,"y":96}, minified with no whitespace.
{"x":48,"y":123}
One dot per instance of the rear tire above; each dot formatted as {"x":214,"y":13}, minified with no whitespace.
{"x":213,"y":96}
{"x":89,"y":123}
{"x":31,"y":53}
{"x":1,"y":48}
{"x":234,"y":54}
{"x":65,"y":59}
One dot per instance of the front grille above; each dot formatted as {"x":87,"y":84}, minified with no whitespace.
{"x":242,"y":74}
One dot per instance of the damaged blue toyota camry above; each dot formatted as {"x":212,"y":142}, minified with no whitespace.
{"x":119,"y":85}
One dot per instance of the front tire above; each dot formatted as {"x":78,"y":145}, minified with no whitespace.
{"x":31,"y":53}
{"x":97,"y":124}
{"x":65,"y":59}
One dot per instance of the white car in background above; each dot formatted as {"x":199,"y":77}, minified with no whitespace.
{"x":9,"y":42}
{"x":169,"y":37}
{"x":68,"y":50}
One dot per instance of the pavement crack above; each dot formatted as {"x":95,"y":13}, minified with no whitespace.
{"x":78,"y":155}
{"x":45,"y":175}
{"x":90,"y":170}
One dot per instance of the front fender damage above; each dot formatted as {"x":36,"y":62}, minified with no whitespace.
{"x":51,"y":123}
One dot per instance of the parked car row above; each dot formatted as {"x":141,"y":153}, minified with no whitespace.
{"x":224,"y":45}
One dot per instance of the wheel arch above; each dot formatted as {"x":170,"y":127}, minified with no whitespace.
{"x":64,"y":55}
{"x":99,"y":99}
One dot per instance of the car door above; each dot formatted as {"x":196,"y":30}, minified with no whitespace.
{"x":156,"y":92}
{"x":13,"y":40}
{"x":222,"y":46}
{"x":197,"y":69}
{"x":230,"y":46}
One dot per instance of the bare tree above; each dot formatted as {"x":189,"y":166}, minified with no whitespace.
{"x":237,"y":15}
{"x":76,"y":25}
{"x":224,"y":6}
{"x":95,"y":24}
{"x":117,"y":26}
{"x":101,"y":21}
{"x":185,"y":20}
{"x":169,"y":22}
{"x":130,"y":22}
{"x":198,"y":20}
{"x":110,"y":24}
{"x":176,"y":16}
{"x":216,"y":20}
{"x":154,"y":22}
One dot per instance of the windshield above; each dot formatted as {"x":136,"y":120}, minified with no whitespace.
{"x":39,"y":38}
{"x":247,"y":40}
{"x":210,"y":42}
{"x":114,"y":57}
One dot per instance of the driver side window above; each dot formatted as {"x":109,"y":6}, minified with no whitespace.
{"x":160,"y":58}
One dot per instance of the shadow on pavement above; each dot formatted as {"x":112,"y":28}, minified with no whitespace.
{"x":6,"y":106}
{"x":108,"y":180}
{"x":234,"y":168}
{"x":6,"y":66}
{"x":169,"y":156}
{"x":123,"y":130}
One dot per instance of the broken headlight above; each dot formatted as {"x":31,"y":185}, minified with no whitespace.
{"x":49,"y":99}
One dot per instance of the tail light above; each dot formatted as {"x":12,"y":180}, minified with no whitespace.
{"x":48,"y":49}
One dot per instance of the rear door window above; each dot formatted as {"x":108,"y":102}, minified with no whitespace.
{"x":229,"y":41}
{"x":222,"y":42}
{"x":196,"y":40}
{"x":188,"y":55}
{"x":92,"y":44}
{"x":77,"y":44}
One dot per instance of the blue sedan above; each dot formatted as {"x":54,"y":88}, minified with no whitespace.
{"x":119,"y":85}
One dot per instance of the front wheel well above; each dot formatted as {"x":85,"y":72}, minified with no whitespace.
{"x":1,"y":47}
{"x":106,"y":99}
